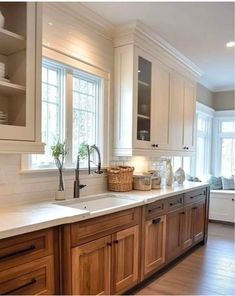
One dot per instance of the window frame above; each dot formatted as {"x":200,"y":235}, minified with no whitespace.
{"x":104,"y":108}
{"x":218,"y":136}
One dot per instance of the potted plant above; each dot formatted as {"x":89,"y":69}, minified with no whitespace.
{"x":59,"y":152}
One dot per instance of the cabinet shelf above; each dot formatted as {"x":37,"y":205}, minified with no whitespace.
{"x":143,"y":116}
{"x":10,"y":89}
{"x":143,"y":83}
{"x":11,"y":42}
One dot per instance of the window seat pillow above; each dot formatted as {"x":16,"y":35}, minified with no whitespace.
{"x":228,"y":183}
{"x":215,"y":183}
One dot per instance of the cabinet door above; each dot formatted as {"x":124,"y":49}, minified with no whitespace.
{"x":176,"y":111}
{"x":222,"y":207}
{"x":126,"y":259}
{"x":17,"y":97}
{"x":160,"y":106}
{"x":91,"y":268}
{"x":198,"y":221}
{"x":174,"y":222}
{"x":143,"y":94}
{"x":189,"y":115}
{"x":186,"y":229}
{"x":154,"y":244}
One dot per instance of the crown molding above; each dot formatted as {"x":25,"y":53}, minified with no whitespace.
{"x":83,"y":15}
{"x":125,"y":33}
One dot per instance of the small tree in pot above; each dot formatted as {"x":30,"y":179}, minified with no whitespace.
{"x":59,"y":152}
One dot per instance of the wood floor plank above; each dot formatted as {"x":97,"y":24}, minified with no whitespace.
{"x":209,"y":270}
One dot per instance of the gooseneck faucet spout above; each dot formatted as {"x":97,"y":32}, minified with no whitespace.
{"x":98,"y":171}
{"x":77,"y":185}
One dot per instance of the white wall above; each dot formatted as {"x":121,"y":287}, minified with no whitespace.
{"x":66,"y":32}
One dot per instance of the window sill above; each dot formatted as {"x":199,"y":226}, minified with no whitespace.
{"x":83,"y":171}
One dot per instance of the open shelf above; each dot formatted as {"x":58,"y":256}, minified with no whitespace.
{"x":143,"y":116}
{"x":10,"y":89}
{"x":11,"y":42}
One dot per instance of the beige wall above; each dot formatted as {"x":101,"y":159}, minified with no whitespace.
{"x":204,"y":95}
{"x":224,"y":100}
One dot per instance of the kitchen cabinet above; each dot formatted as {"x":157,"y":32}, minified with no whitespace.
{"x":91,"y":264}
{"x":154,"y":244}
{"x":174,"y":226}
{"x":102,"y":255}
{"x":222,"y":205}
{"x":198,"y":224}
{"x":91,"y":267}
{"x":29,"y":265}
{"x":154,"y":106}
{"x":182,"y":113}
{"x":20,"y":52}
{"x":126,"y":259}
{"x":186,"y":226}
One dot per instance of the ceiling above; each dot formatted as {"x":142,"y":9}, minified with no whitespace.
{"x":199,"y":30}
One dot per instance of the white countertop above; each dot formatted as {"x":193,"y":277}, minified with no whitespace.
{"x":15,"y":220}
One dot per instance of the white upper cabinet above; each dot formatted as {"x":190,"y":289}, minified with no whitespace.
{"x":161,"y":106}
{"x":20,"y":81}
{"x":154,"y":105}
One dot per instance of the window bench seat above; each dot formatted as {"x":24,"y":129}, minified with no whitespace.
{"x":222,"y":205}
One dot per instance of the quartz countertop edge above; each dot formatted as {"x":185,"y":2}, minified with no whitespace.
{"x":21,"y":219}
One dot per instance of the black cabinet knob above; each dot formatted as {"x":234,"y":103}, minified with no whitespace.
{"x":157,"y":145}
{"x":153,"y":145}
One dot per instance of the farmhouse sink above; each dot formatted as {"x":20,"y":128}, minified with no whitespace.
{"x":102,"y":203}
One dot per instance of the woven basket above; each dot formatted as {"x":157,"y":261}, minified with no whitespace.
{"x":120,"y":178}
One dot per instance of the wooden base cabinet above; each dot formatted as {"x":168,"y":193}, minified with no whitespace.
{"x":126,"y":259}
{"x":91,"y":267}
{"x":154,"y":244}
{"x":198,"y":221}
{"x":106,"y":265}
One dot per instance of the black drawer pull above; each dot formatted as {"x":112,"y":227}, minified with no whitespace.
{"x":194,"y":208}
{"x":116,"y":241}
{"x":157,"y":208}
{"x":156,"y":221}
{"x":109,"y":244}
{"x":29,"y":249}
{"x":176,"y":203}
{"x":33,"y":281}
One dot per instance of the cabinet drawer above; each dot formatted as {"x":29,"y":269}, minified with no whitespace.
{"x":24,"y":248}
{"x":175,"y":202}
{"x":154,"y":209}
{"x":97,"y":227}
{"x":32,"y":278}
{"x":194,"y":196}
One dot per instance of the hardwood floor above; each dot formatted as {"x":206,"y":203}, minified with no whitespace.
{"x":209,"y":270}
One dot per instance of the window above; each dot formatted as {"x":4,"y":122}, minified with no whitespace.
{"x":182,"y":162}
{"x":203,"y":146}
{"x":225,"y":146}
{"x":72,"y":102}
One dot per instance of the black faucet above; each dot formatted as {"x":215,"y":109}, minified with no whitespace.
{"x":77,"y":185}
{"x":98,"y":171}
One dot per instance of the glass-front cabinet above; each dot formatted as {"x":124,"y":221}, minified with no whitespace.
{"x":144,"y":100}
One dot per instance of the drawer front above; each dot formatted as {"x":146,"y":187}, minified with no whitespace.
{"x":175,"y":202}
{"x":194,"y":196}
{"x":25,"y":248}
{"x":154,"y":209}
{"x":32,"y":278}
{"x":94,"y":228}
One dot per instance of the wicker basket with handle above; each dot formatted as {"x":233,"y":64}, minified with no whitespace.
{"x":120,"y":178}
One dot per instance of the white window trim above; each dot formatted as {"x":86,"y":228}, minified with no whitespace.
{"x":219,"y":116}
{"x":208,"y":113}
{"x":105,"y":120}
